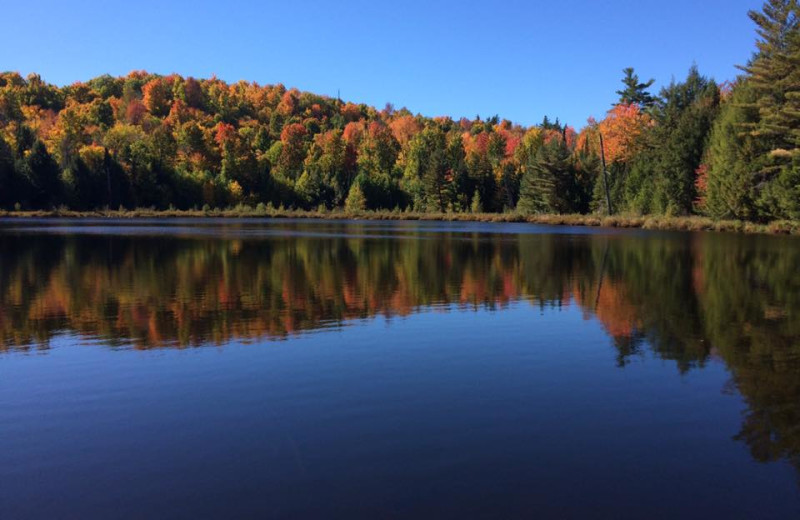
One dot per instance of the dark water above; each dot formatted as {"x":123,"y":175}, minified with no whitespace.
{"x":285,"y":369}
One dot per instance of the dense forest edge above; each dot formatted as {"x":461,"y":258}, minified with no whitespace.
{"x":697,"y":155}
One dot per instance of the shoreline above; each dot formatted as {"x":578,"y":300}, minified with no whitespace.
{"x":662,"y":223}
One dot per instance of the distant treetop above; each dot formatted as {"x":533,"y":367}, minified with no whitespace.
{"x":635,"y":92}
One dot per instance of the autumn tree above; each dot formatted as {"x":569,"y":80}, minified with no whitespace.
{"x":156,"y":98}
{"x":150,"y":140}
{"x":404,"y":128}
{"x":293,"y":151}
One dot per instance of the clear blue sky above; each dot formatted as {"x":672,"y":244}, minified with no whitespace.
{"x":518,"y":59}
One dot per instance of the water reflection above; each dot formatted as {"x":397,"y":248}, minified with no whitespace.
{"x":687,"y":298}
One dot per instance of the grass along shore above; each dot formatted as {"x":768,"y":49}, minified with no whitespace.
{"x":693,"y":223}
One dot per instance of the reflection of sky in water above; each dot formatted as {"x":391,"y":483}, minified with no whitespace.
{"x":256,"y":227}
{"x":452,"y":373}
{"x":435,"y":410}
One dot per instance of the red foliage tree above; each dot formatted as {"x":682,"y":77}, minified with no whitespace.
{"x":293,"y":152}
{"x":156,"y":97}
{"x":135,"y":111}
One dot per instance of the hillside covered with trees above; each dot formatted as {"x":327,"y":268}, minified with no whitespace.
{"x":144,"y":140}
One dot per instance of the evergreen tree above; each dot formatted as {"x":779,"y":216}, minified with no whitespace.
{"x":457,"y":170}
{"x":536,"y":188}
{"x":481,"y":176}
{"x":7,"y":175}
{"x":427,"y":170}
{"x":313,"y":189}
{"x":662,"y":177}
{"x":733,"y":155}
{"x":356,"y":201}
{"x":588,"y":171}
{"x":548,"y":181}
{"x":774,"y":76}
{"x":635,"y":92}
{"x":42,"y":175}
{"x":547,"y":124}
{"x":476,"y":206}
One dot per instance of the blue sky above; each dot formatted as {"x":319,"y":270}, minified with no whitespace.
{"x":518,"y":59}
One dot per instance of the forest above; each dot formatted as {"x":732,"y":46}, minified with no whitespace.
{"x":697,"y":147}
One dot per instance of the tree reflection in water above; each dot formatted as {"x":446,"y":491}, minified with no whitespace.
{"x":687,"y":298}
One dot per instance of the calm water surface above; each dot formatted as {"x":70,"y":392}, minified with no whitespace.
{"x":290,"y":369}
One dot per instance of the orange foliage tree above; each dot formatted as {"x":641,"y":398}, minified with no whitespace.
{"x":622,"y":131}
{"x":155,"y":97}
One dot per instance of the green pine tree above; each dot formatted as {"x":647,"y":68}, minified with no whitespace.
{"x":774,"y":76}
{"x":733,"y":155}
{"x":635,"y":92}
{"x":356,"y":201}
{"x":662,"y":177}
{"x":548,"y":181}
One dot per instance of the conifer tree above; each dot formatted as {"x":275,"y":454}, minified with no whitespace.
{"x":536,"y":188}
{"x":662,"y":176}
{"x":635,"y":92}
{"x":754,"y":155}
{"x":356,"y":201}
{"x":42,"y":175}
{"x":732,"y":156}
{"x":774,"y":76}
{"x":476,"y":206}
{"x":547,"y":184}
{"x":7,"y":174}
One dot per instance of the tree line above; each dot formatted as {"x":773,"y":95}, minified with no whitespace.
{"x":144,"y":140}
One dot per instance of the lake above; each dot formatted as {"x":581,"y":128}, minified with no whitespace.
{"x":335,"y":369}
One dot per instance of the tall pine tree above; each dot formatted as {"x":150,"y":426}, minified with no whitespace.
{"x":774,"y":76}
{"x":635,"y":92}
